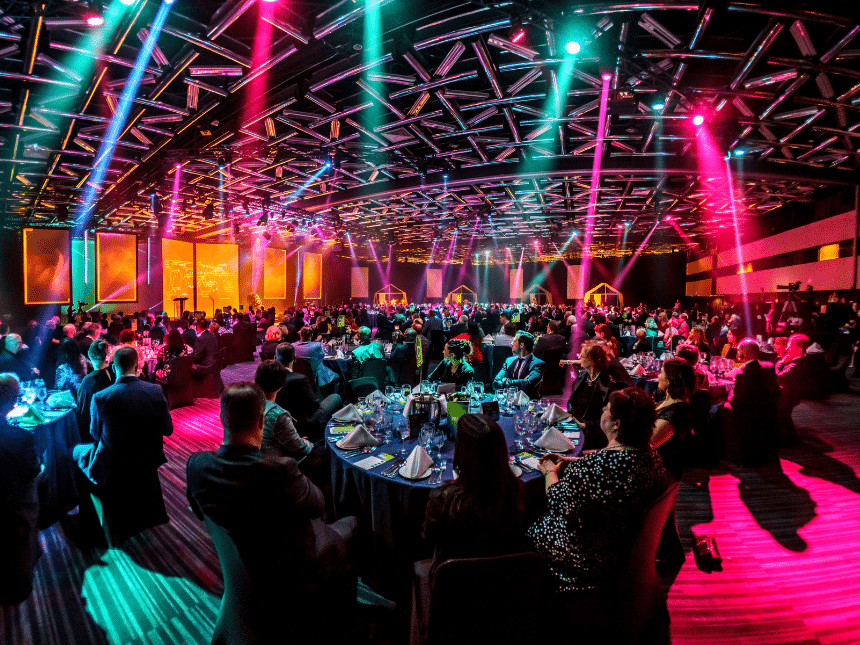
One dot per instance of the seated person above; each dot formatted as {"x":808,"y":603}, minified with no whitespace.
{"x":19,"y":503}
{"x":174,"y":347}
{"x":273,"y":513}
{"x":506,"y":337}
{"x":71,"y":366}
{"x":366,"y":349}
{"x":696,"y":337}
{"x":401,"y":352}
{"x":205,"y":347}
{"x":596,"y":501}
{"x":700,"y":399}
{"x":794,"y":373}
{"x":642,"y":344}
{"x":483,"y":511}
{"x":604,"y":332}
{"x":674,"y":414}
{"x":11,"y":361}
{"x":474,"y":335}
{"x":313,"y":352}
{"x":297,"y":397}
{"x":454,"y":367}
{"x":279,"y":434}
{"x":551,"y":340}
{"x":523,"y":370}
{"x":274,"y":337}
{"x":590,"y":392}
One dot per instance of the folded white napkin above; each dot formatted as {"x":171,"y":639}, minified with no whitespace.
{"x":339,"y":354}
{"x":552,"y":439}
{"x":32,"y":417}
{"x":554,"y":414}
{"x":376,"y":397}
{"x":521,"y":398}
{"x":349,"y":414}
{"x":359,"y":437}
{"x":638,"y":371}
{"x":416,"y":463}
{"x":62,"y":399}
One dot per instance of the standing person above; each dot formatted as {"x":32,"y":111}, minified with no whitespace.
{"x":128,"y":421}
{"x":523,"y":370}
{"x":102,"y":377}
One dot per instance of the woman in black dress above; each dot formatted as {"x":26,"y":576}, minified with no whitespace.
{"x":674,"y":414}
{"x":454,"y":368}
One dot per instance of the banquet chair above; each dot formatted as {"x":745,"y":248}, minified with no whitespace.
{"x":178,"y":389}
{"x":210,"y":385}
{"x":375,"y":368}
{"x":467,"y":595}
{"x":227,"y":342}
{"x":256,"y":612}
{"x":553,"y":373}
{"x":302,"y":366}
{"x":244,"y":344}
{"x":482,"y":371}
{"x":437,"y":344}
{"x":265,"y":357}
{"x":131,"y":502}
{"x":359,"y":387}
{"x":501,"y":353}
{"x":410,"y":372}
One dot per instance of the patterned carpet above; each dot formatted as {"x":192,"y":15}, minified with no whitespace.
{"x":787,"y":535}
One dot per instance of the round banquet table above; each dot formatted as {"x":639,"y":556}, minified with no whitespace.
{"x":392,"y":510}
{"x":339,"y":366}
{"x":55,"y":438}
{"x":720,"y":389}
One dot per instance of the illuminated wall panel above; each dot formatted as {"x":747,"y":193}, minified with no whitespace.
{"x":312,"y":276}
{"x":47,"y":266}
{"x":699,"y":288}
{"x":217,"y":276}
{"x":573,"y":290}
{"x":434,"y":283}
{"x":116,"y":267}
{"x":360,"y":283}
{"x":517,"y":283}
{"x":275,"y":274}
{"x":177,"y":261}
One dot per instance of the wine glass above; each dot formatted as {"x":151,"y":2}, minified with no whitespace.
{"x":405,"y":392}
{"x":521,"y":428}
{"x":41,"y":391}
{"x":389,"y":392}
{"x":478,"y":388}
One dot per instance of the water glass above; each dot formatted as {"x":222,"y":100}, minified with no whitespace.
{"x":389,"y":392}
{"x":478,"y":388}
{"x":405,"y":392}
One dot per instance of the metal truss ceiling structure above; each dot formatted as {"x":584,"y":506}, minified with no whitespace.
{"x":452,"y":130}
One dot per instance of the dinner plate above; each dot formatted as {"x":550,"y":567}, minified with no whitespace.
{"x":559,"y":452}
{"x":414,"y":479}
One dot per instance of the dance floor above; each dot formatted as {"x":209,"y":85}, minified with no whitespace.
{"x":788,"y":535}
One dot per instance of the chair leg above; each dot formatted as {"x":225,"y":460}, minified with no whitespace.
{"x":100,"y":514}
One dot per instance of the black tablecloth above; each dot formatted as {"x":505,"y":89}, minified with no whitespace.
{"x":57,"y":490}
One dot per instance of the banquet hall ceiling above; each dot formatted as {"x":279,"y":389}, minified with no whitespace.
{"x":443,"y":132}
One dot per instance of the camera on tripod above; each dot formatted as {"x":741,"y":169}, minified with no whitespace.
{"x":794,"y":286}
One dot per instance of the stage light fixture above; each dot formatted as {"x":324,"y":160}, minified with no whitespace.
{"x":740,"y":152}
{"x":698,"y":119}
{"x":62,"y":213}
{"x":658,"y":106}
{"x":627,"y":224}
{"x":607,"y":76}
{"x":517,"y":37}
{"x":264,"y":219}
{"x":94,"y":20}
{"x":245,"y":204}
{"x":208,"y":211}
{"x":572,"y":47}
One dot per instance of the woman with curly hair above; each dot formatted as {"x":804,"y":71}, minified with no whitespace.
{"x":455,"y":367}
{"x":274,"y":337}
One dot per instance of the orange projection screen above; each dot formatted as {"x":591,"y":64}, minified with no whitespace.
{"x":116,"y":267}
{"x":217,"y":276}
{"x":177,"y":260}
{"x":275,"y":274}
{"x":312,"y":276}
{"x":47,"y":266}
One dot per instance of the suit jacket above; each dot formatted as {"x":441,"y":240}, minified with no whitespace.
{"x":297,"y":397}
{"x":11,"y":363}
{"x":400,"y":353}
{"x":432,"y":322}
{"x":794,"y":377}
{"x":756,"y":394}
{"x":206,"y":350}
{"x":158,"y":332}
{"x":314,"y":354}
{"x":127,"y":422}
{"x":549,"y":341}
{"x":531,"y":375}
{"x":384,"y":327}
{"x":271,"y":511}
{"x":93,"y":382}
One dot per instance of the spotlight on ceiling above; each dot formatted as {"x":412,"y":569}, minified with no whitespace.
{"x":95,"y":20}
{"x":62,"y":213}
{"x":208,"y":211}
{"x":740,"y":152}
{"x":658,"y":106}
{"x":127,"y":3}
{"x":573,"y":47}
{"x":607,"y":76}
{"x":627,"y":224}
{"x":698,"y":119}
{"x":517,"y":37}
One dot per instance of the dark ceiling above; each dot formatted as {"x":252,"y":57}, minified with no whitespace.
{"x":442,"y":127}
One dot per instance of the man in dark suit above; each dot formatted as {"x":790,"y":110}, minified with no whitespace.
{"x":551,"y":340}
{"x":206,"y":348}
{"x":795,"y":374}
{"x":100,"y":378}
{"x":433,"y":322}
{"x":272,"y":513}
{"x":127,"y":423}
{"x":297,"y":398}
{"x":523,"y":370}
{"x":19,"y":503}
{"x":10,"y":360}
{"x":753,"y":403}
{"x":189,"y":336}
